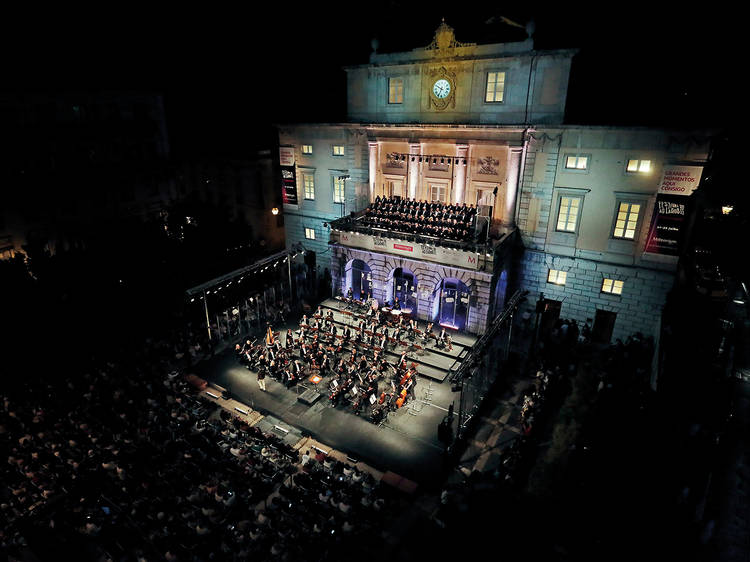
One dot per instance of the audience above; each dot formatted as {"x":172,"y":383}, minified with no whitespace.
{"x":124,"y":454}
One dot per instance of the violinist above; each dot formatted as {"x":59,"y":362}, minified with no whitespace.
{"x":325,"y":365}
{"x":349,"y":294}
{"x":289,"y":342}
{"x":347,"y":334}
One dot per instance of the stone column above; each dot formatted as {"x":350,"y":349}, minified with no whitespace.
{"x":459,"y":173}
{"x":511,"y":191}
{"x":415,"y":149}
{"x":374,"y":153}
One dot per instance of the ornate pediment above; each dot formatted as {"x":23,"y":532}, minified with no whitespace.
{"x":445,"y":40}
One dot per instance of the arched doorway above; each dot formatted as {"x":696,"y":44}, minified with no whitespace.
{"x":359,"y":278}
{"x":453,"y":307}
{"x":402,"y":284}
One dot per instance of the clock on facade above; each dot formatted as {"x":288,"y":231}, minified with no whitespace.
{"x":441,"y":88}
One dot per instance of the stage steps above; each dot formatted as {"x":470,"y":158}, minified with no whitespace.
{"x":427,"y":367}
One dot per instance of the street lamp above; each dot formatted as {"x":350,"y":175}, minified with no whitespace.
{"x":275,"y":211}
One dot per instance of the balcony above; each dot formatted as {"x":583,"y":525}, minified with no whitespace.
{"x":476,"y":253}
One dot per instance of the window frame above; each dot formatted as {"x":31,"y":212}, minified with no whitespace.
{"x":614,"y":289}
{"x":638,"y":171}
{"x":305,"y":175}
{"x":336,"y":182}
{"x":308,"y":231}
{"x":558,"y":274}
{"x":494,"y":91}
{"x":638,"y":220}
{"x":576,"y":169}
{"x":307,"y":152}
{"x":396,"y":100}
{"x":333,"y":150}
{"x":570,"y":196}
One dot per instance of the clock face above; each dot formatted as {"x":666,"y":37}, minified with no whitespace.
{"x":441,"y":88}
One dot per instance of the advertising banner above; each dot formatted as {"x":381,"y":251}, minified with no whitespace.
{"x":680,"y":180}
{"x":666,"y":225}
{"x":288,"y":175}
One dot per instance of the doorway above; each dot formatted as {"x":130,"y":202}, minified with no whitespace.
{"x":604,"y":325}
{"x":454,"y":304}
{"x":359,"y":278}
{"x":404,"y":287}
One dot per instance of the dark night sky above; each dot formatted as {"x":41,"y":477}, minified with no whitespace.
{"x":227,"y":73}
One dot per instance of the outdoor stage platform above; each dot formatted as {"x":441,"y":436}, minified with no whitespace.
{"x":405,"y":443}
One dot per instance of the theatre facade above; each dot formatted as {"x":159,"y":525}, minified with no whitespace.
{"x":580,"y":214}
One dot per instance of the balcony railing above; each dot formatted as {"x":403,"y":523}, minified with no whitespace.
{"x":355,"y":223}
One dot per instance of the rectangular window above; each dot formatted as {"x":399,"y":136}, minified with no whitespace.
{"x":308,"y":180}
{"x":495,"y":87}
{"x":567,"y":216}
{"x":395,"y":90}
{"x":306,"y":149}
{"x":626,"y":221}
{"x":437,"y":192}
{"x":310,"y":233}
{"x":338,"y":149}
{"x":612,"y":286}
{"x":557,"y":277}
{"x":338,"y":189}
{"x":638,"y":166}
{"x":576,"y":162}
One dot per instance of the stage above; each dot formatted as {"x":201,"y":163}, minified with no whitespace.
{"x":406,"y":442}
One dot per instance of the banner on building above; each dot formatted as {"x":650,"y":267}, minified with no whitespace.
{"x":666,"y":225}
{"x":680,"y":180}
{"x":288,"y":175}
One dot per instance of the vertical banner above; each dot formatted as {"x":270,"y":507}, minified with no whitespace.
{"x":677,"y":184}
{"x":666,"y":225}
{"x":288,"y":175}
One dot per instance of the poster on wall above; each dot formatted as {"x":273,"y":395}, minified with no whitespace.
{"x":666,"y":225}
{"x":288,"y":175}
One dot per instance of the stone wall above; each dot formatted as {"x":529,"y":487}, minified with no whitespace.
{"x":638,"y":308}
{"x":428,"y":277}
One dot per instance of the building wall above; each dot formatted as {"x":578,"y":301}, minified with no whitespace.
{"x":535,"y":84}
{"x":592,"y":253}
{"x":429,"y":277}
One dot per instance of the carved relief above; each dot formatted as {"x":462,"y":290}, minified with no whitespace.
{"x":488,"y":166}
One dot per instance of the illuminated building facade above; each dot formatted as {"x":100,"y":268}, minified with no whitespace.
{"x":482,"y":125}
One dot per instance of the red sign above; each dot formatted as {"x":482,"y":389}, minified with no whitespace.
{"x":402,"y":247}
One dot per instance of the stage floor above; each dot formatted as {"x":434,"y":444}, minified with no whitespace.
{"x":405,"y":443}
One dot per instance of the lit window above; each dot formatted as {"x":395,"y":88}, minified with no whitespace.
{"x":567,"y":217}
{"x":310,"y":233}
{"x":306,"y":149}
{"x":495,"y":87}
{"x":338,"y":149}
{"x":576,"y":162}
{"x":395,"y":90}
{"x":308,"y":181}
{"x":612,"y":286}
{"x":557,"y":277}
{"x":639,"y":166}
{"x":627,"y":219}
{"x":437,"y":193}
{"x":338,"y":190}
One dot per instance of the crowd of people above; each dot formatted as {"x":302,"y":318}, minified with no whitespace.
{"x":428,"y":218}
{"x":124,"y":456}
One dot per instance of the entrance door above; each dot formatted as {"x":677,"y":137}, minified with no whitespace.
{"x":604,"y":325}
{"x":550,"y":315}
{"x":454,"y":304}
